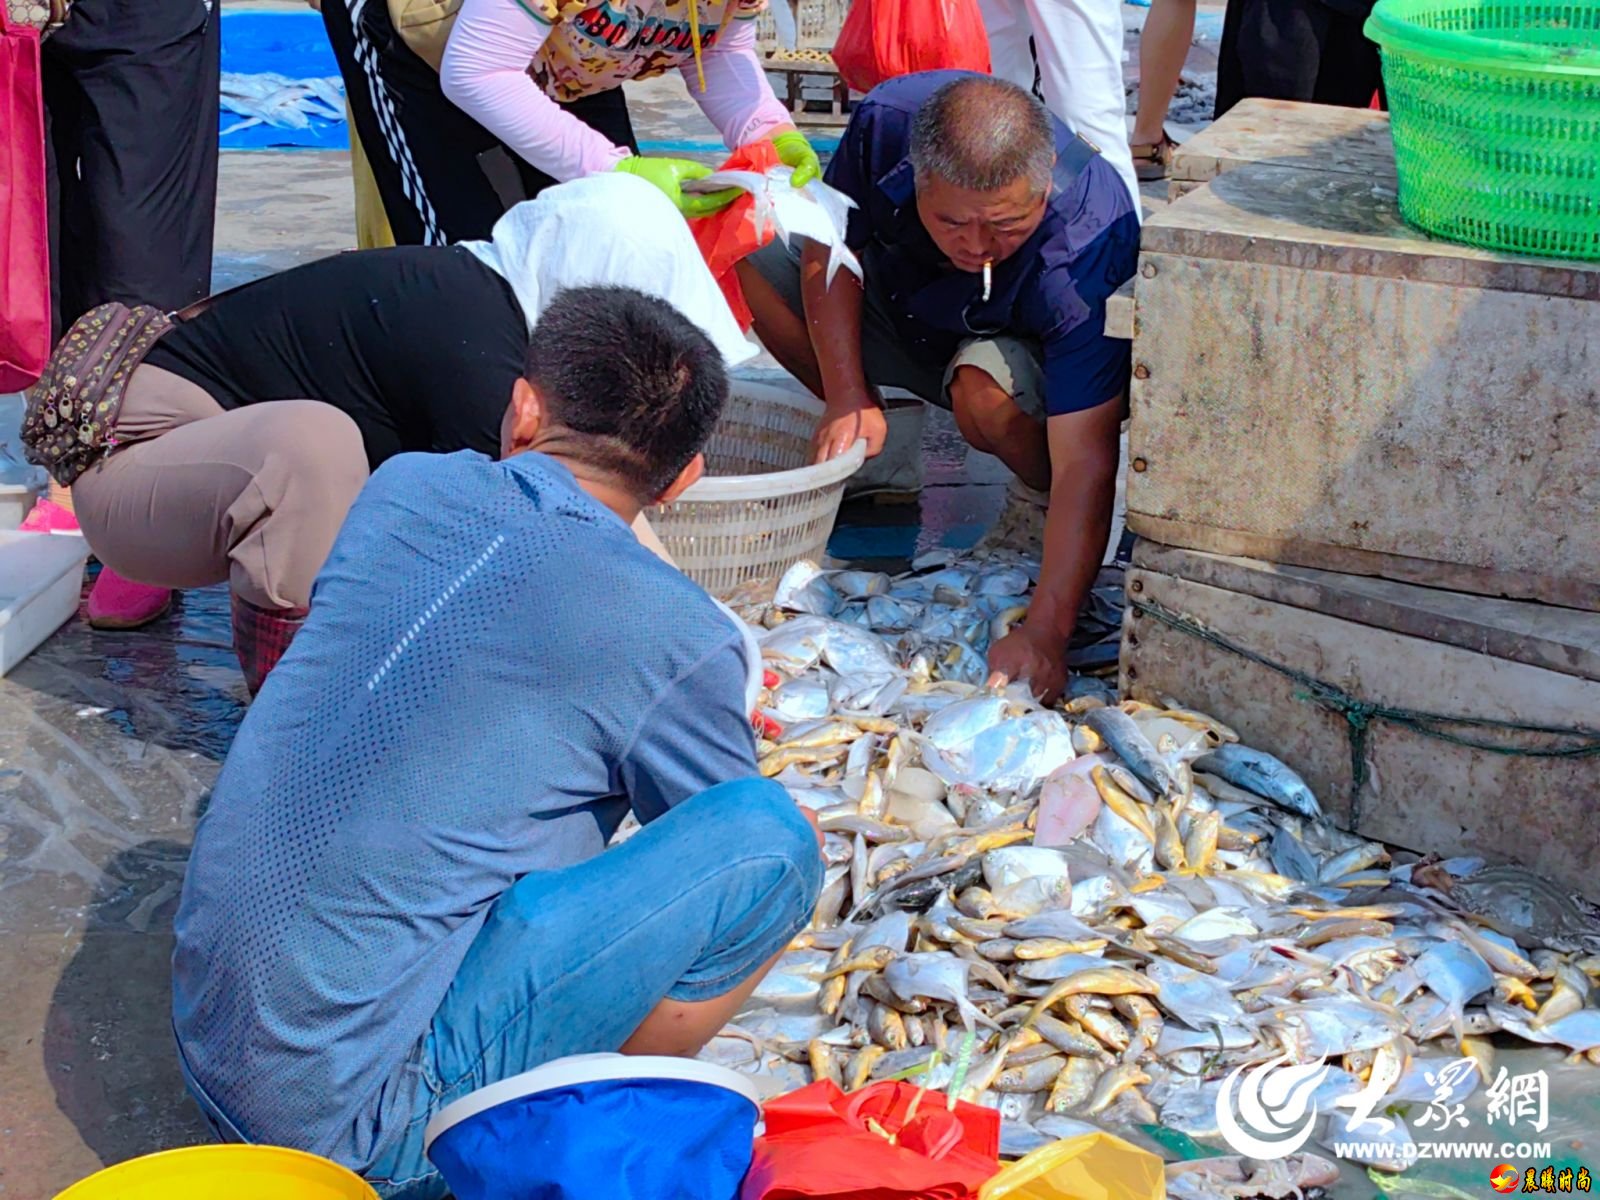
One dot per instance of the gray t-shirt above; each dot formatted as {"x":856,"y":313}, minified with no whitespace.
{"x":493,"y":671}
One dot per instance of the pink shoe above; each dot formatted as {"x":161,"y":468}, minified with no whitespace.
{"x":118,"y":603}
{"x":49,"y":517}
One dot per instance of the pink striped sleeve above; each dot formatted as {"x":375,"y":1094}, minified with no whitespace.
{"x":738,"y":98}
{"x":485,"y":74}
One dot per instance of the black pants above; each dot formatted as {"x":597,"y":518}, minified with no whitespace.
{"x":1295,"y":50}
{"x":131,"y":100}
{"x":442,"y":176}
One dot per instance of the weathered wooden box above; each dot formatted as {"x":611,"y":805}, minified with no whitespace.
{"x":1345,"y":678}
{"x":1286,"y":133}
{"x":1316,"y":383}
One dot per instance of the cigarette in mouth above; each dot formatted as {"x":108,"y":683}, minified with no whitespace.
{"x":988,"y":278}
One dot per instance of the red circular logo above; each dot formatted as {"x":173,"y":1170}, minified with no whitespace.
{"x":1505,"y":1178}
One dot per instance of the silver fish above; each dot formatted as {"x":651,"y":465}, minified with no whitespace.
{"x":1258,"y":772}
{"x":1125,"y":738}
{"x":1197,"y":1000}
{"x":958,"y":726}
{"x":1455,"y":973}
{"x":800,"y":700}
{"x":937,"y":975}
{"x":859,"y":585}
{"x":795,"y":645}
{"x":1332,"y":1026}
{"x":804,"y":589}
{"x":889,"y":614}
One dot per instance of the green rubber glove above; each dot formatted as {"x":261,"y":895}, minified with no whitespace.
{"x":794,"y":151}
{"x":670,"y":174}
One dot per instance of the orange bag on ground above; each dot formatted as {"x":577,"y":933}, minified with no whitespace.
{"x":731,"y":234}
{"x":818,"y":1144}
{"x":884,"y":38}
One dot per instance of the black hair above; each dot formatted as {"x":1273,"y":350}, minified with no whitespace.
{"x":639,"y":380}
{"x":982,"y":133}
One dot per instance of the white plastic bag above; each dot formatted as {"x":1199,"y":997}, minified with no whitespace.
{"x":816,"y":211}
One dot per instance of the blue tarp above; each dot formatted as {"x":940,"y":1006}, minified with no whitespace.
{"x":283,"y":43}
{"x":256,"y":41}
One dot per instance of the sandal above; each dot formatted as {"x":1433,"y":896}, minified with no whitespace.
{"x":1152,"y":160}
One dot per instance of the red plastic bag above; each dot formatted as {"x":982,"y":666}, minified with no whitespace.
{"x":24,"y":218}
{"x":732,"y":233}
{"x":884,"y":38}
{"x":818,"y":1144}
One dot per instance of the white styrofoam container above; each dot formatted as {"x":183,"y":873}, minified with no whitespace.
{"x":20,"y":484}
{"x":40,"y":578}
{"x":16,"y":501}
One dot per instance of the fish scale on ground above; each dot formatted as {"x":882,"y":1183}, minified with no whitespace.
{"x":1192,"y":911}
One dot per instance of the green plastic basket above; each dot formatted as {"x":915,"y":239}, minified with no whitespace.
{"x":1495,"y":109}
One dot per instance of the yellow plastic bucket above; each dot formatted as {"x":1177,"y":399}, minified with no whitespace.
{"x":223,"y":1173}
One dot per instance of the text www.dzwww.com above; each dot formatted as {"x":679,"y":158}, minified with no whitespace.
{"x":1501,"y":1150}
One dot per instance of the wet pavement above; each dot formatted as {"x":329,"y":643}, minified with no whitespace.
{"x":108,"y":746}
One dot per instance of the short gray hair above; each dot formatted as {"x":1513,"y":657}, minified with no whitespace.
{"x":983,"y":133}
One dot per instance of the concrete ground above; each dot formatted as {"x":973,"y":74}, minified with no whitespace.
{"x":109,"y":743}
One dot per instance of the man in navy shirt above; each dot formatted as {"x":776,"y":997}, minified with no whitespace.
{"x":990,"y":237}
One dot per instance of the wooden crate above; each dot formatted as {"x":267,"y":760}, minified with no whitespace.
{"x":809,"y":87}
{"x":1316,"y":383}
{"x":1398,"y":646}
{"x":1287,"y":133}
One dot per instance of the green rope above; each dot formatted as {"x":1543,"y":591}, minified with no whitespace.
{"x":1360,"y":714}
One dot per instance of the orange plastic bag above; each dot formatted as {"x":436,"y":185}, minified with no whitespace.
{"x":884,"y":38}
{"x":733,"y":233}
{"x":818,"y":1144}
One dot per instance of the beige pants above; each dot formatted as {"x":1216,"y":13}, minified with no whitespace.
{"x":198,"y":495}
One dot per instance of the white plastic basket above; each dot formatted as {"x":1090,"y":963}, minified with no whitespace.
{"x":762,"y":505}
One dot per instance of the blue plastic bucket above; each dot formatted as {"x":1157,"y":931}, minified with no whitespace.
{"x":593,"y":1125}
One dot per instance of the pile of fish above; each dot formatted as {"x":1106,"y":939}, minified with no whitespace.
{"x":1094,"y":913}
{"x":266,"y":98}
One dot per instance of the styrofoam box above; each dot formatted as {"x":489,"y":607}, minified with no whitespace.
{"x":41,"y":576}
{"x":16,"y":499}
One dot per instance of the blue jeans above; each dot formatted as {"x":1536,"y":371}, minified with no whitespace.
{"x":572,"y":961}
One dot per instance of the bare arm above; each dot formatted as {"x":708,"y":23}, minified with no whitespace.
{"x":833,"y":319}
{"x":1084,"y":448}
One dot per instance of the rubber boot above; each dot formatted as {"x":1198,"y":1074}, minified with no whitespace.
{"x":260,"y":637}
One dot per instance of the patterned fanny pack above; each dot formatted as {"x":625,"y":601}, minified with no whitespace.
{"x":71,"y":419}
{"x":44,"y":15}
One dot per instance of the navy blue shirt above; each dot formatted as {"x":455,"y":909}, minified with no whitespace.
{"x":1054,"y":289}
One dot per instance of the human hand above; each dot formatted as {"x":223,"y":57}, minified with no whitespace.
{"x":670,"y":174}
{"x":795,"y":152}
{"x":1040,"y":659}
{"x":841,"y":424}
